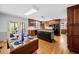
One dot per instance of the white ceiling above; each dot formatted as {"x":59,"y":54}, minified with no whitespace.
{"x":48,"y":11}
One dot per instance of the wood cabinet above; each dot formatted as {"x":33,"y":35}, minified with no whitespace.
{"x":32,"y":32}
{"x":42,"y":25}
{"x":63,"y":31}
{"x":32,"y":24}
{"x":73,"y":28}
{"x":28,"y":48}
{"x":54,"y":21}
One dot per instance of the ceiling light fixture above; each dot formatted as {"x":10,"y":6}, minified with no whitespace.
{"x":31,"y":11}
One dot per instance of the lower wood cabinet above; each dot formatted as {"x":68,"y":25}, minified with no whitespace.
{"x":27,"y":48}
{"x":32,"y":32}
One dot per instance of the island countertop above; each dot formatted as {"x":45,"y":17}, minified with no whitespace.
{"x":46,"y":30}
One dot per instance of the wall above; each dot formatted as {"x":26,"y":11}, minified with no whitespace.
{"x":4,"y":24}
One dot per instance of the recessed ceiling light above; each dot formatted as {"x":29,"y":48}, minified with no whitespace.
{"x":31,"y":11}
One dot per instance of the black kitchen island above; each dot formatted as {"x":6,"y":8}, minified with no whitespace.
{"x":45,"y":35}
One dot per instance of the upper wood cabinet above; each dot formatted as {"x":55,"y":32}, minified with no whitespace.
{"x":76,"y":15}
{"x":42,"y":25}
{"x":54,"y":21}
{"x":31,"y":22}
{"x":70,"y":15}
{"x":73,"y":13}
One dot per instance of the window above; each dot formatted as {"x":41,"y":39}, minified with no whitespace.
{"x":13,"y":27}
{"x":17,"y":28}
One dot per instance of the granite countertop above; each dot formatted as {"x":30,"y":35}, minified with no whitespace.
{"x":12,"y":47}
{"x":46,"y":30}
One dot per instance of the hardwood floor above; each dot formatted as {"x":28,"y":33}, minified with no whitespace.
{"x":4,"y":49}
{"x":57,"y":47}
